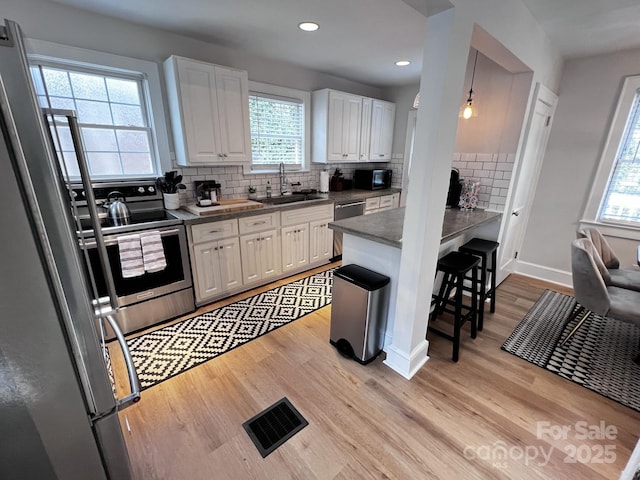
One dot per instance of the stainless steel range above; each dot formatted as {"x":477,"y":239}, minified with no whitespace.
{"x":149,"y":298}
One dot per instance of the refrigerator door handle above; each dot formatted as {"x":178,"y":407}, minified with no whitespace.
{"x":134,"y":383}
{"x":76,"y":137}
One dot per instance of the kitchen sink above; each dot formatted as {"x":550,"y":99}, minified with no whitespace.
{"x":293,"y":198}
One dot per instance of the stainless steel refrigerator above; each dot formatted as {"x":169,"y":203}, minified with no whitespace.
{"x":58,"y":410}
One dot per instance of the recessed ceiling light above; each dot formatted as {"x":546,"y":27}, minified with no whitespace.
{"x":308,"y":26}
{"x":402,"y":63}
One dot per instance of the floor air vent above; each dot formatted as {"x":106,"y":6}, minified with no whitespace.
{"x":274,"y":426}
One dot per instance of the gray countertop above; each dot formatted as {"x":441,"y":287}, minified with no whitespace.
{"x":331,"y":197}
{"x":386,"y":227}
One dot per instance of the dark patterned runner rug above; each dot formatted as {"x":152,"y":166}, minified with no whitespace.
{"x":598,"y":357}
{"x":171,"y":350}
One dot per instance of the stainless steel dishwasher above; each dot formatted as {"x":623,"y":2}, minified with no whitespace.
{"x":341,"y":211}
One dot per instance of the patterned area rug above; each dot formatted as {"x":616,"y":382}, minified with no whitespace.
{"x":598,"y":357}
{"x":171,"y":350}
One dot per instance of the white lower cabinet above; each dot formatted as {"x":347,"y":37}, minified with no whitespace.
{"x":320,"y":241}
{"x":381,"y":203}
{"x":260,"y":256}
{"x":386,"y":203}
{"x":306,"y":237}
{"x":229,"y":256}
{"x":371,"y":205}
{"x":217,"y":268}
{"x":295,"y":247}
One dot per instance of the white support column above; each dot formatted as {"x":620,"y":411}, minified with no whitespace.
{"x":446,"y":51}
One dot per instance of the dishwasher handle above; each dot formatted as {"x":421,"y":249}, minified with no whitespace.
{"x":352,"y":204}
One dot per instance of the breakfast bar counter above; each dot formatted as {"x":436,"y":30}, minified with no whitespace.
{"x":375,"y":242}
{"x":386,"y":227}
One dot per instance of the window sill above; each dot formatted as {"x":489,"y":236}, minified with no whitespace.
{"x":613,"y":230}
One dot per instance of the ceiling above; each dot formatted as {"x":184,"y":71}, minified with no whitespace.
{"x":361,"y":39}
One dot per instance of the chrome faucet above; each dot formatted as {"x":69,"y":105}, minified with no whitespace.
{"x":283,"y":180}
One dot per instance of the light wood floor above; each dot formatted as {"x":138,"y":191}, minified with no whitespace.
{"x":368,"y":421}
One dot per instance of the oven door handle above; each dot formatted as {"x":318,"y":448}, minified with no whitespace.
{"x":113,"y":239}
{"x":134,"y":382}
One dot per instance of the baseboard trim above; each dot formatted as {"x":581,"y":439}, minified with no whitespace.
{"x":407,"y":365}
{"x":541,"y":272}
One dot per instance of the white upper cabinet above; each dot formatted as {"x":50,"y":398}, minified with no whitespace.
{"x":209,"y":108}
{"x":365,"y":130}
{"x":383,"y":115}
{"x":337,"y":118}
{"x":350,"y":128}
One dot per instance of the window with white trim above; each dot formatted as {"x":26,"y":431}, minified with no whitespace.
{"x":279,"y":119}
{"x":615,"y":193}
{"x":118,"y":102}
{"x":621,"y":202}
{"x":112,"y":116}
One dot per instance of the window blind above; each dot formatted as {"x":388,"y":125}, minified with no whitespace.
{"x":277,"y":130}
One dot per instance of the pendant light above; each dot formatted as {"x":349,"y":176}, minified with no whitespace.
{"x":469,"y":111}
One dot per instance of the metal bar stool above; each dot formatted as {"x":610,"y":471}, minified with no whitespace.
{"x":482,"y":248}
{"x":456,"y":266}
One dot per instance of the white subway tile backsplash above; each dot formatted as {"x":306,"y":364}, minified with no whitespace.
{"x":484,"y":157}
{"x":493,"y":170}
{"x":489,"y":166}
{"x":235,"y":184}
{"x":481,"y":174}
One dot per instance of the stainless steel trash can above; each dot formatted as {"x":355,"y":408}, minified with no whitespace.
{"x":359,"y":312}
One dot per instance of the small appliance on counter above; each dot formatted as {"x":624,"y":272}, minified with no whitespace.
{"x":372,"y":179}
{"x":207,"y":192}
{"x":455,"y":188}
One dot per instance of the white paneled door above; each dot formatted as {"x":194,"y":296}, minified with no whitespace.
{"x":528,"y":170}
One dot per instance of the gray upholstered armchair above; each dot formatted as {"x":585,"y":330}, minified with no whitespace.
{"x":618,"y":277}
{"x":593,"y":294}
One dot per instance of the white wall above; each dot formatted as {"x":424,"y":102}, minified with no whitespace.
{"x":501,"y":100}
{"x":588,"y":96}
{"x":403,"y":97}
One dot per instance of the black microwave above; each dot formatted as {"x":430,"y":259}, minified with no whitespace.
{"x":372,"y":179}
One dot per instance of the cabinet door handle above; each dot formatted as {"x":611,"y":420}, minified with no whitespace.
{"x":259,"y":223}
{"x":214,"y":231}
{"x":225,"y":155}
{"x":219,"y":155}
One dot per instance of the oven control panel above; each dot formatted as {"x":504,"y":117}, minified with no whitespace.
{"x":132,"y":191}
